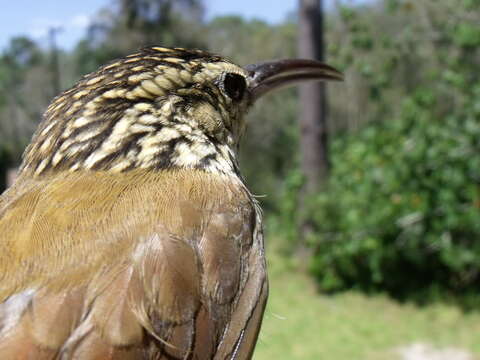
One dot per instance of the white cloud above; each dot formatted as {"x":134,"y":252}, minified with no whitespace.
{"x":81,"y":21}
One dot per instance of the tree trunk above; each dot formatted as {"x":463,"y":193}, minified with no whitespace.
{"x":54,"y":65}
{"x":312,"y":120}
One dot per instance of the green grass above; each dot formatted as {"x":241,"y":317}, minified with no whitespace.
{"x":301,"y":324}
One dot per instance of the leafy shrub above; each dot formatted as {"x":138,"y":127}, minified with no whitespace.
{"x":402,"y":210}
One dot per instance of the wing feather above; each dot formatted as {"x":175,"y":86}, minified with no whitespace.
{"x":137,"y":266}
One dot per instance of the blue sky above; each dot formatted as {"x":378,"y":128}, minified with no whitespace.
{"x":34,"y":17}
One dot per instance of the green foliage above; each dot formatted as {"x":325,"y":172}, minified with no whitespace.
{"x":288,"y":215}
{"x":401,"y":212}
{"x":24,"y":90}
{"x":402,"y":208}
{"x":133,"y":24}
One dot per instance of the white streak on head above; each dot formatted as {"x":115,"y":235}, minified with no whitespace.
{"x":79,"y":122}
{"x":168,"y":133}
{"x":42,"y":166}
{"x":148,"y":119}
{"x":48,"y":128}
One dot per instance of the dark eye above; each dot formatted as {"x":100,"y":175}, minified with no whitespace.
{"x":234,"y":85}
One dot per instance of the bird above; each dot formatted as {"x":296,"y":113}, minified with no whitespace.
{"x":130,"y":232}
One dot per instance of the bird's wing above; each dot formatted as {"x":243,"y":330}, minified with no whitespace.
{"x":152,"y":266}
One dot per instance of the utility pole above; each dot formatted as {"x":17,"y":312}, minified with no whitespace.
{"x":54,"y":63}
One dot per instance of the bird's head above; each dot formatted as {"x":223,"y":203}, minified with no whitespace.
{"x":159,"y":109}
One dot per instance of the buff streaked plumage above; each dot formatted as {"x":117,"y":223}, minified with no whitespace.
{"x":129,"y":232}
{"x":134,"y":113}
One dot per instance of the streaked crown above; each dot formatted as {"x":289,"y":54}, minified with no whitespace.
{"x":156,"y":109}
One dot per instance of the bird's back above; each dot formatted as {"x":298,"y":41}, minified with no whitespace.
{"x":152,"y":265}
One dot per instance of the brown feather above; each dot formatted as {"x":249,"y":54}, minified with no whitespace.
{"x":149,"y":265}
{"x":18,"y":344}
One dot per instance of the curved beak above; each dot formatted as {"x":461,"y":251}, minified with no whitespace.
{"x":271,"y":75}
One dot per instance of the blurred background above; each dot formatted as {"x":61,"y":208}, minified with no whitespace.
{"x":371,"y":191}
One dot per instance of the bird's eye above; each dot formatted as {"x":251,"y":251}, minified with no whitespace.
{"x":234,"y":85}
